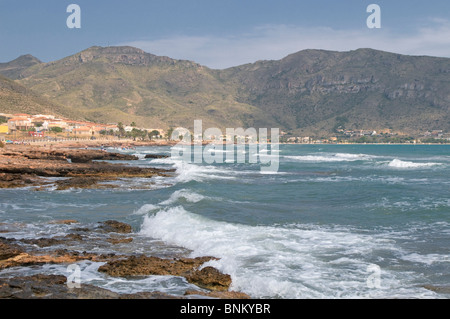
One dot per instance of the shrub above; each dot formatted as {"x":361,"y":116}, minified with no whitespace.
{"x":56,"y":129}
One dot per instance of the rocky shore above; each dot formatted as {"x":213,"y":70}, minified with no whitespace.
{"x":22,"y":166}
{"x":37,"y":252}
{"x":63,"y":168}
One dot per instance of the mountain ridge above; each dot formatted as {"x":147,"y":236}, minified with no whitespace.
{"x":307,"y":92}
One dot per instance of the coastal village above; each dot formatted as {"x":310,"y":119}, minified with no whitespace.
{"x":21,"y":128}
{"x":25,"y":127}
{"x":372,"y":136}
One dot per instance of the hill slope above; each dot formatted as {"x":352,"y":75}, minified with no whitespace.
{"x":126,"y":84}
{"x":309,"y":92}
{"x":15,"y":98}
{"x":14,"y":69}
{"x":369,"y":88}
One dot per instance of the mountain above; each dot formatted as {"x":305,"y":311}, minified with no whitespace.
{"x":311,"y":92}
{"x":15,"y":98}
{"x":15,"y":68}
{"x":315,"y":90}
{"x":126,"y":84}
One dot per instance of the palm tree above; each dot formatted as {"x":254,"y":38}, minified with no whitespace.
{"x":121,"y":129}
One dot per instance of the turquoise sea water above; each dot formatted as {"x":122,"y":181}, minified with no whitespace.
{"x":331,"y":220}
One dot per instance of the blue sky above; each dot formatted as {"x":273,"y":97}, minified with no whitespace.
{"x":223,"y":33}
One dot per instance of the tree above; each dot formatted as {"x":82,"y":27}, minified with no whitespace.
{"x":144,"y":134}
{"x":121,"y":129}
{"x":153,"y":134}
{"x":137,"y":133}
{"x":169,"y":133}
{"x":56,"y":129}
{"x":133,"y":124}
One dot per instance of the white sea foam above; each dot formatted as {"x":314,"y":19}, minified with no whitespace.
{"x":140,"y":156}
{"x":189,"y":196}
{"x":191,"y":172}
{"x":185,"y":194}
{"x":145,"y":209}
{"x":186,"y":172}
{"x":332,"y":157}
{"x":283,"y":262}
{"x":426,"y":259}
{"x":396,"y":163}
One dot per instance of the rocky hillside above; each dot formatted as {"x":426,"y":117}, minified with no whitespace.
{"x":309,"y":92}
{"x":15,"y":68}
{"x":126,"y":84}
{"x":367,"y":88}
{"x":15,"y":98}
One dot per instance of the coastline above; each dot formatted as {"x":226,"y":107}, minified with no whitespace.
{"x":70,"y":167}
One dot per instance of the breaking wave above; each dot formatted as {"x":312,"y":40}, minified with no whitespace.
{"x":291,"y":261}
{"x":333,"y":157}
{"x":396,"y":163}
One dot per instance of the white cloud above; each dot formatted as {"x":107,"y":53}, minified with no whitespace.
{"x":276,"y":41}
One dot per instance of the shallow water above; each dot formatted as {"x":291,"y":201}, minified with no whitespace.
{"x":332,"y":218}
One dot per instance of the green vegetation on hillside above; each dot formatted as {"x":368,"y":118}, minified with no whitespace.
{"x":312,"y":92}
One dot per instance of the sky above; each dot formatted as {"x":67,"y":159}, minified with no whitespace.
{"x":225,"y":33}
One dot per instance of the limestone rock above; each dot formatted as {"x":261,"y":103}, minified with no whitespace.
{"x":145,"y":266}
{"x":210,"y":278}
{"x":8,"y":250}
{"x":116,"y":227}
{"x":155,"y":156}
{"x":119,"y":240}
{"x":218,"y":294}
{"x":49,"y":287}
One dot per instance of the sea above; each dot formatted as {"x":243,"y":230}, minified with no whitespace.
{"x":334,"y":221}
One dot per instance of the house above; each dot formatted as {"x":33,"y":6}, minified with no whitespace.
{"x":111,"y":127}
{"x":437,"y":133}
{"x":19,"y":124}
{"x":95,"y":130}
{"x":71,"y":125}
{"x":84,"y":130}
{"x":128,"y":129}
{"x":57,"y":123}
{"x":4,"y":129}
{"x":38,"y":120}
{"x":43,"y":116}
{"x":305,"y":140}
